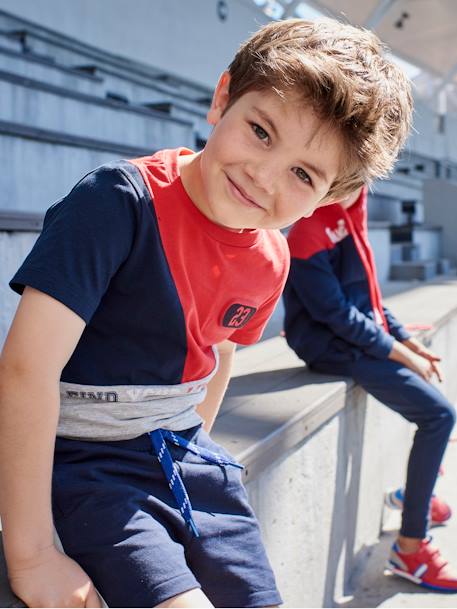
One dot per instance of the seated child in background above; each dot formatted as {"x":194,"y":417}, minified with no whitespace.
{"x":144,"y":278}
{"x":335,"y":321}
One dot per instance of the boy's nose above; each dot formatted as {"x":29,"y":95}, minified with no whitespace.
{"x":263,"y":176}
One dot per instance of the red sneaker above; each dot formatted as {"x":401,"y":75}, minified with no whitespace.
{"x":424,"y":567}
{"x":440,"y":511}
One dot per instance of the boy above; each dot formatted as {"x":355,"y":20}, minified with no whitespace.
{"x":145,"y":276}
{"x":341,"y":327}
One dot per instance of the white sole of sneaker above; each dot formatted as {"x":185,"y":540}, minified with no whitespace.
{"x":392,"y":570}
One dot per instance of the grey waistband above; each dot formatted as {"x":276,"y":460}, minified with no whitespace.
{"x":122,"y":412}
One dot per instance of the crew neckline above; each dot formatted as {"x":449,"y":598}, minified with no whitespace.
{"x":247,"y":238}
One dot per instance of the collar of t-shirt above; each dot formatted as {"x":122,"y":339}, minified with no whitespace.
{"x":169,"y":157}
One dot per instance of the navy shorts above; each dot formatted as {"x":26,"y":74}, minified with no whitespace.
{"x":116,"y":516}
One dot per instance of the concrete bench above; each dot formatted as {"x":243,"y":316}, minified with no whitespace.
{"x":319,"y":454}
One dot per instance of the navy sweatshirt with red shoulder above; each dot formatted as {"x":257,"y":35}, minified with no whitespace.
{"x":332,"y":297}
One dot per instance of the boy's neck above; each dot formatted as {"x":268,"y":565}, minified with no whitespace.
{"x":190,"y":174}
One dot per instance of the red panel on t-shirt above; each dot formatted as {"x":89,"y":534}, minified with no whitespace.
{"x":228,"y":282}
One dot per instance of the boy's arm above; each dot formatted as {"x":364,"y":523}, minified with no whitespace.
{"x":42,"y":337}
{"x":396,"y":328}
{"x":217,"y":386}
{"x":321,"y":294}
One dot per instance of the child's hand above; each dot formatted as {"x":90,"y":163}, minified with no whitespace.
{"x":52,"y":579}
{"x":417,"y":347}
{"x":425,"y":367}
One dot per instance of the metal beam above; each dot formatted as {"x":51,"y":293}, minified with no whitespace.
{"x":378,"y":13}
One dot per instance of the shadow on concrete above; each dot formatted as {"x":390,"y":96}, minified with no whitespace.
{"x":274,"y":380}
{"x":341,"y":558}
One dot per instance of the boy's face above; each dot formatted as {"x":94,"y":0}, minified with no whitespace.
{"x":267,"y":162}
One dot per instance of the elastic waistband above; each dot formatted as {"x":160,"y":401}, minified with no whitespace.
{"x":139,"y":444}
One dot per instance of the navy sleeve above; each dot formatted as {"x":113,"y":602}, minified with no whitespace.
{"x":397,"y":329}
{"x":86,"y":236}
{"x":320,"y":293}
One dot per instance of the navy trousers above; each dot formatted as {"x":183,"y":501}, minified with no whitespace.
{"x":417,"y":401}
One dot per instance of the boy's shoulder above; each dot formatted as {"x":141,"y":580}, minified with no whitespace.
{"x":98,"y":185}
{"x":322,"y":231}
{"x":277,"y":242}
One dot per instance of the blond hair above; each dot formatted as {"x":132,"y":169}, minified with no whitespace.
{"x":343,"y":73}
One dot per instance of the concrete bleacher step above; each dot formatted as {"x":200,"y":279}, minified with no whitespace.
{"x":30,"y":66}
{"x":417,"y":269}
{"x":103,"y":74}
{"x":149,"y":89}
{"x":185,"y":111}
{"x":7,"y":42}
{"x":73,"y":156}
{"x":73,"y":53}
{"x":43,"y":106}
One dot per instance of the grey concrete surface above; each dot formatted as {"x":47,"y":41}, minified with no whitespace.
{"x":371,"y":588}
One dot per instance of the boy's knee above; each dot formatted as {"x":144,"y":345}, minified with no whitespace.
{"x":446,"y":418}
{"x":450,"y":416}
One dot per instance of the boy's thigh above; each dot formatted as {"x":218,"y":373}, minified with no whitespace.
{"x":116,"y":516}
{"x":228,"y":558}
{"x":398,"y":387}
{"x":132,"y":558}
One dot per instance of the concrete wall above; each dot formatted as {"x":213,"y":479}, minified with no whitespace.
{"x":425,"y":138}
{"x":14,"y":247}
{"x":429,"y":242}
{"x":184,"y":38}
{"x":320,"y":506}
{"x":440,"y":208}
{"x":380,"y":242}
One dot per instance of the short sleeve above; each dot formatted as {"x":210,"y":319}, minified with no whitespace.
{"x":86,"y":237}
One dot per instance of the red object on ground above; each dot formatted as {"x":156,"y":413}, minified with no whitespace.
{"x":417,"y":327}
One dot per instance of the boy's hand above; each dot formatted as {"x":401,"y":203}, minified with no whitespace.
{"x":423,"y":366}
{"x":52,"y":579}
{"x":417,"y":347}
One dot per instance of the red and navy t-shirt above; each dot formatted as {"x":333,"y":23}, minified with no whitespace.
{"x":157,"y":283}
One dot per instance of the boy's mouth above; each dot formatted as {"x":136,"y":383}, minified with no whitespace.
{"x":241,"y":195}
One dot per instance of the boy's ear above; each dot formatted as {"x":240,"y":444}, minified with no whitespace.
{"x":220,"y":99}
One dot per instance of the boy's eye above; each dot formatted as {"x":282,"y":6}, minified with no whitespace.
{"x":302,"y":175}
{"x":260,"y":133}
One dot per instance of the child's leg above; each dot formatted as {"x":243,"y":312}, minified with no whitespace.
{"x":117,"y":517}
{"x":192,"y":598}
{"x":421,"y":403}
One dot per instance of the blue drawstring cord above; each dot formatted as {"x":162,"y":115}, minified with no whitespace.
{"x":159,"y":438}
